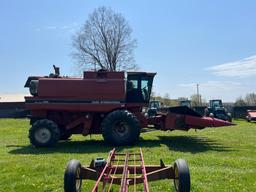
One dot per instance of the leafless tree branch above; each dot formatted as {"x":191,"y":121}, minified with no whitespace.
{"x":105,"y":42}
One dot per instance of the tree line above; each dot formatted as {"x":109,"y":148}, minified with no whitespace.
{"x":197,"y":100}
{"x":248,"y":100}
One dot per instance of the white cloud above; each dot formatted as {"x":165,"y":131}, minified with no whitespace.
{"x":38,"y":29}
{"x":51,"y":27}
{"x":243,"y":68}
{"x":65,"y":27}
{"x":69,"y":28}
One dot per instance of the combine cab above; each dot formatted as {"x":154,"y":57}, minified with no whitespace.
{"x":107,"y":103}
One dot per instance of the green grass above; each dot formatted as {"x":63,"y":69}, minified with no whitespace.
{"x":222,"y":159}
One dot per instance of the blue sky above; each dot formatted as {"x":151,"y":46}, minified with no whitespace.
{"x":212,"y":43}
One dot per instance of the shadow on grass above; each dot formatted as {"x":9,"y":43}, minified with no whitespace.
{"x":88,"y":146}
{"x":174,"y":143}
{"x":187,"y":144}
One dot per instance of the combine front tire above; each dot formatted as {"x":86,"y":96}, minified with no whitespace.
{"x":44,"y":133}
{"x":182,"y":176}
{"x":72,"y":179}
{"x":120,"y":128}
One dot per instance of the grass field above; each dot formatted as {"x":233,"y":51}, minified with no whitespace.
{"x":222,"y":159}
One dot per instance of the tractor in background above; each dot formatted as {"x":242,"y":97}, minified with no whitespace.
{"x":185,"y":103}
{"x":153,"y":107}
{"x":217,"y":110}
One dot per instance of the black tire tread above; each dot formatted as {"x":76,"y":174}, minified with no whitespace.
{"x":107,"y":127}
{"x":184,"y":175}
{"x":70,"y":176}
{"x":46,"y":123}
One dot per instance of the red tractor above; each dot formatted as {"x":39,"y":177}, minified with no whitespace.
{"x":102,"y":102}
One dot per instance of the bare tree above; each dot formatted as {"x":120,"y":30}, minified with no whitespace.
{"x":240,"y":102}
{"x":105,"y":42}
{"x":166,"y":99}
{"x":250,"y":99}
{"x":196,"y":100}
{"x":182,"y":98}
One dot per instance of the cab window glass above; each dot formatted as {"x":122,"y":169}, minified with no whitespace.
{"x":144,"y":89}
{"x":134,"y":84}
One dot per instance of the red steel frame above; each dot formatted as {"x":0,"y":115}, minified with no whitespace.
{"x":133,"y":171}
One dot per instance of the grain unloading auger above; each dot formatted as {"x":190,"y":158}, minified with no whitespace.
{"x":126,"y":171}
{"x":102,"y":102}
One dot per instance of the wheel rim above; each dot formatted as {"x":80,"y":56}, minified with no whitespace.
{"x":121,"y":129}
{"x":176,"y":178}
{"x":78,"y":180}
{"x":43,"y":135}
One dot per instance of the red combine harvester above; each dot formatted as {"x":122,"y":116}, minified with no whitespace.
{"x":107,"y":103}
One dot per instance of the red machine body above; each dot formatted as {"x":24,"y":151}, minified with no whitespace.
{"x":104,"y":102}
{"x":92,"y":87}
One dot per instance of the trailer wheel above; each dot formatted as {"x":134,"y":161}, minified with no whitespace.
{"x":121,"y":128}
{"x":44,"y":133}
{"x":72,"y":179}
{"x":182,"y":176}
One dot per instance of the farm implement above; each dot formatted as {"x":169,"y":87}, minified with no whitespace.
{"x":251,"y":115}
{"x":101,"y":102}
{"x":125,"y":172}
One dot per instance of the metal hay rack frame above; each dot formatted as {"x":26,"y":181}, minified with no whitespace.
{"x":126,"y":170}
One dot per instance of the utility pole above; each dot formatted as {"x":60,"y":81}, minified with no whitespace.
{"x":198,"y":96}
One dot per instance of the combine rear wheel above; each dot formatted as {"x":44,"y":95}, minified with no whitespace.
{"x":44,"y":133}
{"x":72,"y":179}
{"x":182,"y":176}
{"x":120,"y":128}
